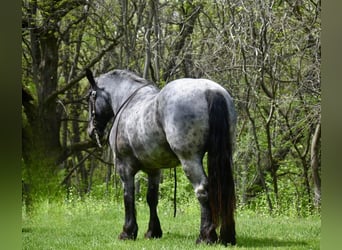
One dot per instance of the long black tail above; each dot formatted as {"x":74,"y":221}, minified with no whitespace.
{"x":220,"y":172}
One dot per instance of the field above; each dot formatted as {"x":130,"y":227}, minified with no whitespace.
{"x":94,"y":224}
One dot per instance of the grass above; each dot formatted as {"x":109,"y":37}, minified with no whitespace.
{"x":94,"y":224}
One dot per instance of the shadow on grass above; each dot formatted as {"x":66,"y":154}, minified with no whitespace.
{"x":244,"y":241}
{"x":247,"y":242}
{"x":26,"y":230}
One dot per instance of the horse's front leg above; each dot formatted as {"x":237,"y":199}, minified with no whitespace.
{"x":154,"y":229}
{"x":130,"y":228}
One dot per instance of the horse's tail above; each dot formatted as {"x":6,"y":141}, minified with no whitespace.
{"x":220,"y":172}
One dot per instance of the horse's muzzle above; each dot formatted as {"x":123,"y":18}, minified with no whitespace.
{"x":94,"y":134}
{"x":91,"y":129}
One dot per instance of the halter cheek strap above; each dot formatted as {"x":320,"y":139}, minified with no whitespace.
{"x":93,"y":121}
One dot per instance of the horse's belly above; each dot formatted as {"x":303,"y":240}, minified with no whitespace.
{"x":158,"y":157}
{"x":147,"y":140}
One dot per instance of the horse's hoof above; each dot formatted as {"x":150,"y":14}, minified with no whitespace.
{"x":125,"y":236}
{"x":151,"y":235}
{"x":205,"y":241}
{"x":227,"y":237}
{"x":231,"y":241}
{"x":208,"y":236}
{"x":208,"y":241}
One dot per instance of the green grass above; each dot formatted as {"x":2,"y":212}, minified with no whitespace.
{"x":94,"y":224}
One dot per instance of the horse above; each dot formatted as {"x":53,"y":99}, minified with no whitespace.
{"x":153,"y":129}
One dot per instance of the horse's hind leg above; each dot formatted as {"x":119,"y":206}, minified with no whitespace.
{"x":154,"y":229}
{"x":195,"y":173}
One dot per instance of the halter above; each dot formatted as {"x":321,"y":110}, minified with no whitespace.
{"x":122,"y":106}
{"x":92,"y":118}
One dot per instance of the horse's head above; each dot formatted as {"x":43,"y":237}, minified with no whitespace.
{"x":100,"y":111}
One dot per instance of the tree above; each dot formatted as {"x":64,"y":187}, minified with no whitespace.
{"x":266,"y":53}
{"x":48,"y":28}
{"x":41,"y":39}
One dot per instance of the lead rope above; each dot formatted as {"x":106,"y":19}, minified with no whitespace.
{"x":119,"y":116}
{"x":175,"y":193}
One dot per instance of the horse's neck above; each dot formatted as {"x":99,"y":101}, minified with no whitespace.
{"x":121,"y":93}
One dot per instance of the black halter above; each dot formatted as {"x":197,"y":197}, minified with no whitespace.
{"x":92,"y":100}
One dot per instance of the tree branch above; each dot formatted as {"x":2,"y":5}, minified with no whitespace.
{"x":76,"y":147}
{"x":75,"y":167}
{"x":186,"y":31}
{"x":74,"y":81}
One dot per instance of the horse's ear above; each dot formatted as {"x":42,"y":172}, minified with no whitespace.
{"x":91,"y":79}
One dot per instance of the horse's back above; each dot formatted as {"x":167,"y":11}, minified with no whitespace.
{"x":183,"y":108}
{"x":186,"y":89}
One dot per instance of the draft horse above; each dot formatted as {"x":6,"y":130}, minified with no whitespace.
{"x":155,"y":129}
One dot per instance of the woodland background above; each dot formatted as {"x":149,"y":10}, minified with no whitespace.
{"x":266,"y":53}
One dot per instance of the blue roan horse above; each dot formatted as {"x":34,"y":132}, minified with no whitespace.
{"x":155,"y":129}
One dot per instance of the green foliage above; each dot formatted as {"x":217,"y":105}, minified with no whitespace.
{"x":185,"y":190}
{"x":41,"y":181}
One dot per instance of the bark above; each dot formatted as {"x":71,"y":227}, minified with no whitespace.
{"x":147,"y":63}
{"x":157,"y":34}
{"x":271,"y":161}
{"x":315,"y":165}
{"x":43,"y":119}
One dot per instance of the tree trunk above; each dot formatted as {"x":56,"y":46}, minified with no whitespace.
{"x":258,"y":151}
{"x":41,"y":146}
{"x":148,"y":27}
{"x":315,"y":165}
{"x":157,"y":34}
{"x":44,"y":121}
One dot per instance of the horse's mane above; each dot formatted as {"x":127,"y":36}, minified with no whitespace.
{"x":124,"y":74}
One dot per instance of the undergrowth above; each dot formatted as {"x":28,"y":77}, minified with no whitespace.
{"x":92,"y":223}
